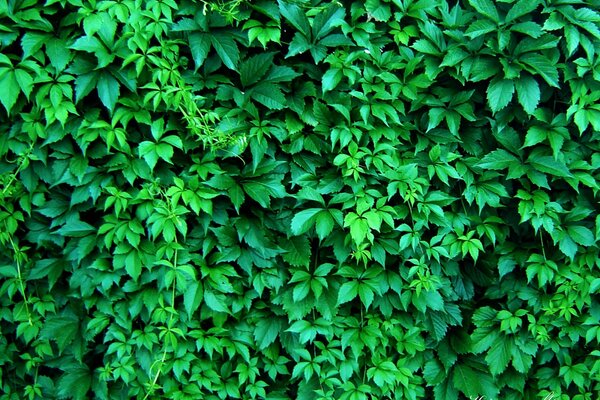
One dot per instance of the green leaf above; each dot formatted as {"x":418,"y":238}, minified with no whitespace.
{"x":521,"y":8}
{"x":466,"y":380}
{"x":108,"y":90}
{"x":58,"y":53}
{"x":348,"y":291}
{"x":266,"y":332}
{"x":359,"y":229}
{"x":568,"y":247}
{"x":549,"y":165}
{"x":486,"y":8}
{"x":297,"y":251}
{"x":473,"y":383}
{"x":544,"y":67}
{"x":215,"y":302}
{"x":433,"y":372}
{"x":164,"y":151}
{"x":192,"y":298}
{"x":226,"y":49}
{"x":581,"y":235}
{"x":10,"y":89}
{"x":500,"y":93}
{"x":445,"y":391}
{"x":295,"y":16}
{"x":25,"y":82}
{"x":76,"y":228}
{"x":483,"y":339}
{"x":147,"y":150}
{"x":133,"y":264}
{"x":324,"y":224}
{"x":498,"y":160}
{"x":595,"y":286}
{"x":32,"y":42}
{"x":331,"y":79}
{"x":304,"y":220}
{"x":269,"y":95}
{"x":280,"y":73}
{"x":264,"y":188}
{"x":199,"y":46}
{"x":528,"y":93}
{"x":535,"y":135}
{"x":254,"y":68}
{"x":378,"y":11}
{"x":506,"y":265}
{"x":62,"y":329}
{"x":326,"y":21}
{"x":75,"y":383}
{"x":298,"y":45}
{"x":499,"y":355}
{"x":480,"y":27}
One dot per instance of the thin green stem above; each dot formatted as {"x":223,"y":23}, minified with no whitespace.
{"x":171,"y":316}
{"x":13,"y":176}
{"x":542,"y":243}
{"x":20,"y":279}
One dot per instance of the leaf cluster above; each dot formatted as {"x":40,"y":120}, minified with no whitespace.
{"x":307,"y":199}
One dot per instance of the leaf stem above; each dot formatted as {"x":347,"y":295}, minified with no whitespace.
{"x":20,"y":279}
{"x":170,"y":322}
{"x":542,"y":243}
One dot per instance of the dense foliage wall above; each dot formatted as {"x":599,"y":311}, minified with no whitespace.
{"x":303,"y":199}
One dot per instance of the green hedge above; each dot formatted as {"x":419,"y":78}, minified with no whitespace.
{"x":303,"y":199}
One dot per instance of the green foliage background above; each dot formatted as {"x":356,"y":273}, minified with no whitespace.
{"x":381,"y":199}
